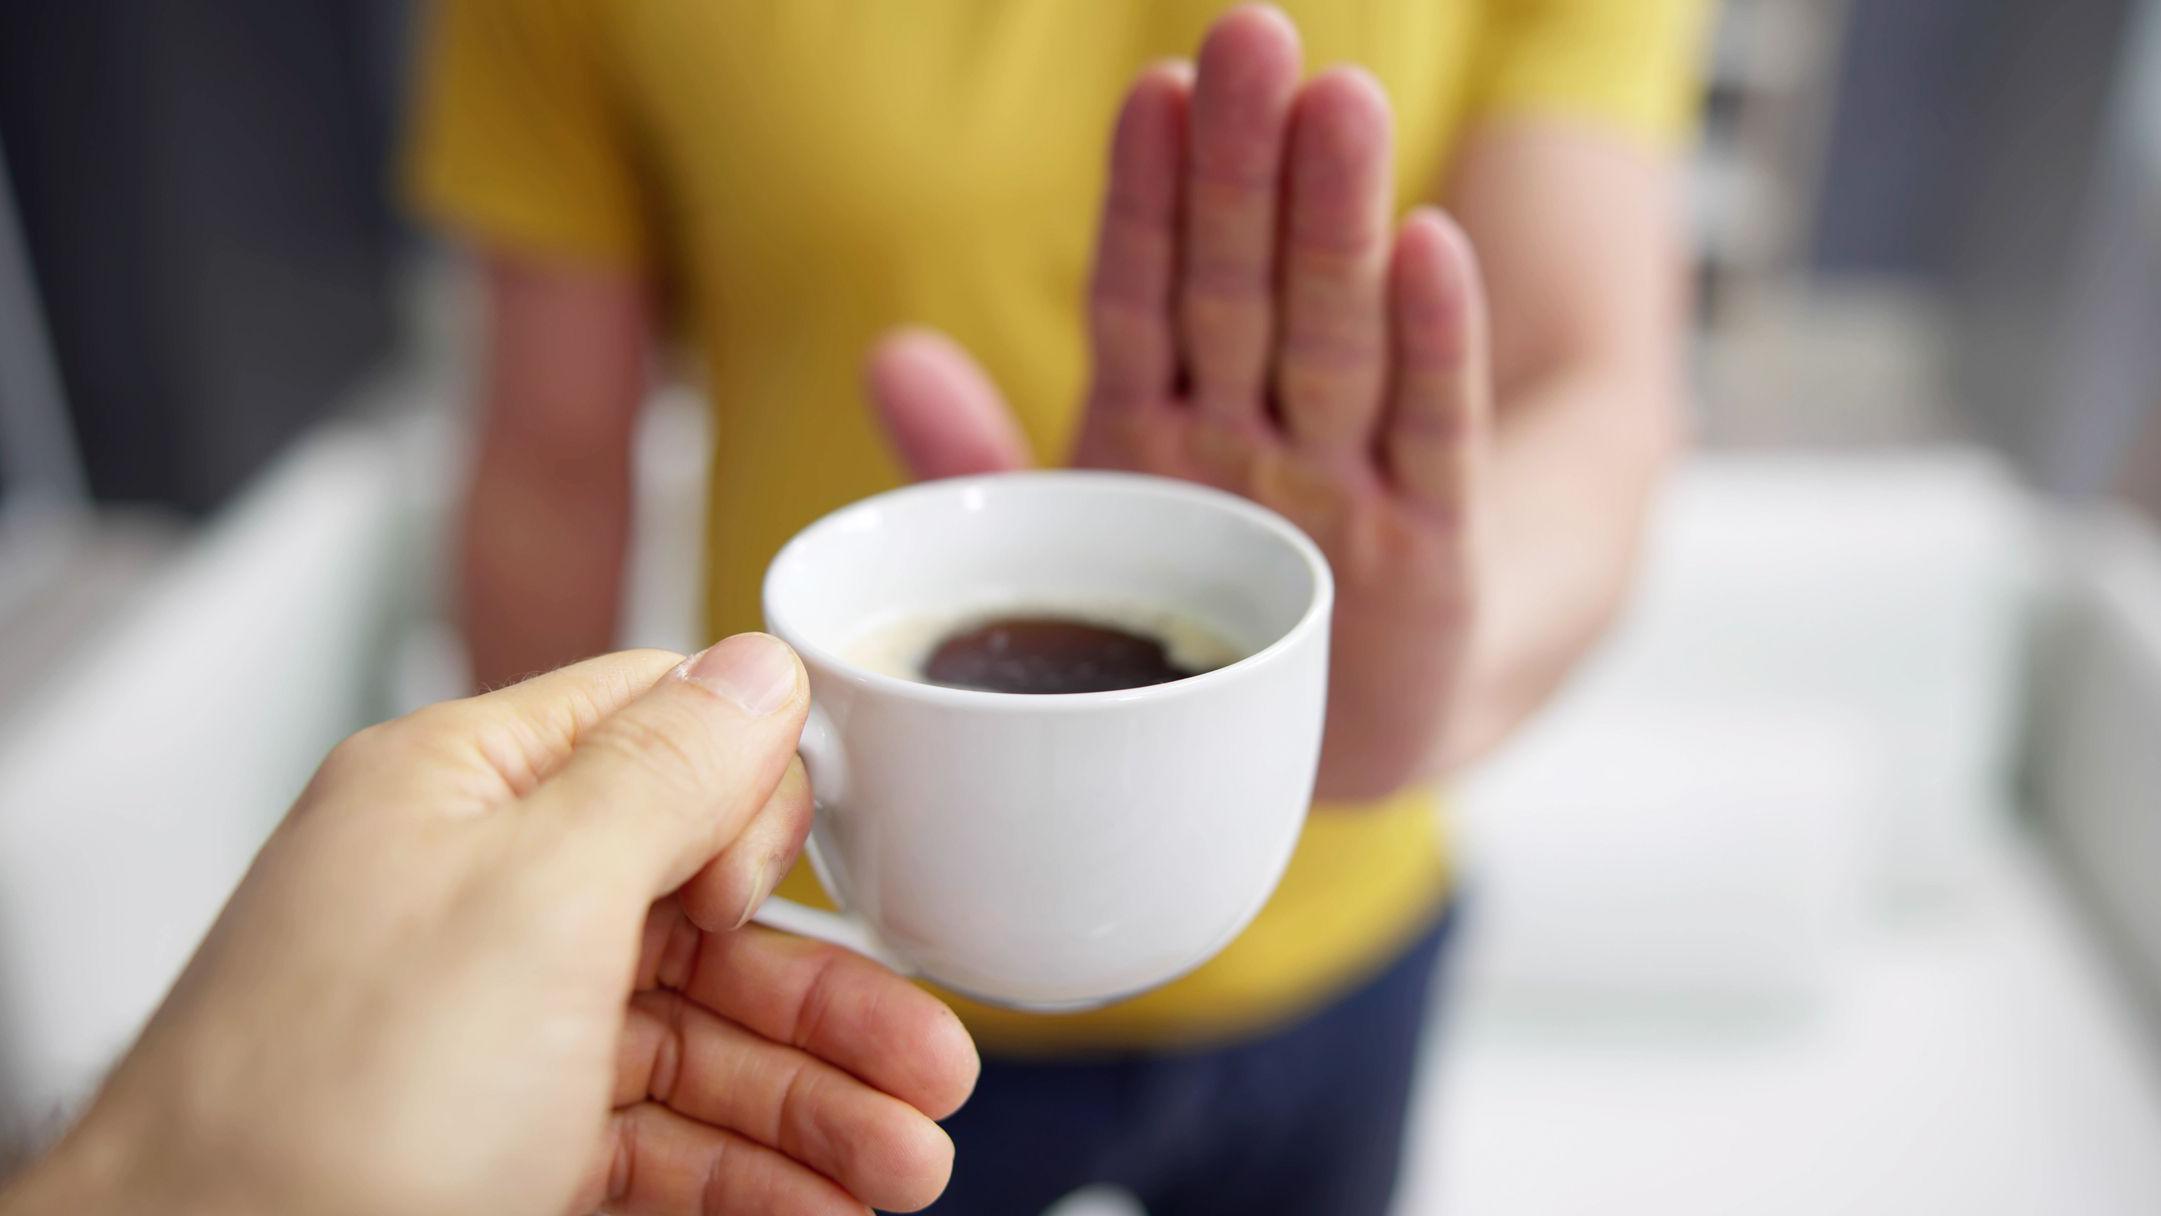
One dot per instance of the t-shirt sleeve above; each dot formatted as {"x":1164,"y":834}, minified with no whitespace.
{"x":517,"y":136}
{"x":1635,"y":65}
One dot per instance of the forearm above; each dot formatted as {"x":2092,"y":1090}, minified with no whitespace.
{"x":1578,"y":453}
{"x":547,"y":513}
{"x":54,"y":1187}
{"x":1582,"y":250}
{"x":94,"y":1171}
{"x":541,"y":556}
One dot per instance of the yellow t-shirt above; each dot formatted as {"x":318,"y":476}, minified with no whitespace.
{"x":802,"y":175}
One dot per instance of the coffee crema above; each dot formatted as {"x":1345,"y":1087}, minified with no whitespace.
{"x":1042,"y":654}
{"x":1046,"y":651}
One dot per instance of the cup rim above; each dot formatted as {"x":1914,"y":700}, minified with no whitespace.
{"x":1310,"y":619}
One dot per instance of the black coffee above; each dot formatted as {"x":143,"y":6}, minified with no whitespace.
{"x":1042,"y":654}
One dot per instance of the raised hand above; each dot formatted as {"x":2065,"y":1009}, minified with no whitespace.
{"x":1261,"y":323}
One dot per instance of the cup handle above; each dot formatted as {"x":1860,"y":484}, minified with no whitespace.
{"x":821,"y":752}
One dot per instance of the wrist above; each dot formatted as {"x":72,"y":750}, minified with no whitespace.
{"x":67,"y":1179}
{"x":98,"y":1169}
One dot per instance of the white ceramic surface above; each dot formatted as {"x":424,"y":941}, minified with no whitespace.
{"x":1055,"y":851}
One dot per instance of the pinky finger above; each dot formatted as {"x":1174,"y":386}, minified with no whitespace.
{"x":1441,"y":396}
{"x":662,"y":1164}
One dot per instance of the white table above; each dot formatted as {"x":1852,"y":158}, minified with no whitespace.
{"x":1971,"y":1059}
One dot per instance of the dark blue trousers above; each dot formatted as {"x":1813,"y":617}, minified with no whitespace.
{"x":1306,"y":1120}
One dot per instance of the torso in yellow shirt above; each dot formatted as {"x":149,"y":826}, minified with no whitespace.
{"x":801,"y":176}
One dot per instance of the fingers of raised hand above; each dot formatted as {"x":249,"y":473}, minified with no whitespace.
{"x":940,"y":410}
{"x":1130,"y":293}
{"x":1248,"y":276}
{"x":1331,"y":359}
{"x":1242,"y":95}
{"x":1441,"y":399}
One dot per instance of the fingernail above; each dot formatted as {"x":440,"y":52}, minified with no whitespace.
{"x":769,"y":873}
{"x":753,"y":670}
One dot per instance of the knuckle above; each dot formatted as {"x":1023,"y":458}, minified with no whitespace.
{"x":726,"y":1180}
{"x":1130,"y":337}
{"x":671,"y":1052}
{"x":653,"y":655}
{"x":1328,"y":401}
{"x":1226,"y":448}
{"x":664,"y":746}
{"x":1228,"y":280}
{"x":1314,"y":494}
{"x":1432,"y":338}
{"x":1226,"y":340}
{"x":1131,"y":291}
{"x":803,"y":1131}
{"x":1338,"y":240}
{"x":1143,"y":213}
{"x":1319,"y":340}
{"x":1337,"y":243}
{"x":385,"y":743}
{"x":1429,"y":430}
{"x":819,"y":995}
{"x":1230,"y":178}
{"x":354,"y":754}
{"x":1119,"y":433}
{"x":1335,"y":305}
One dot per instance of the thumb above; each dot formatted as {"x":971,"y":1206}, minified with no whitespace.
{"x":666,"y":782}
{"x":943,"y":415}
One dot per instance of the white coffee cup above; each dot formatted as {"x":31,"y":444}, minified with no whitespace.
{"x":1053,"y":851}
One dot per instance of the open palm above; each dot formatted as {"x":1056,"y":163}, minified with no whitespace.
{"x":1262,"y":324}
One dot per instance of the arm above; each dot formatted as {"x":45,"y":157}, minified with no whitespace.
{"x":487,"y":965}
{"x":547,"y":512}
{"x":1580,"y":238}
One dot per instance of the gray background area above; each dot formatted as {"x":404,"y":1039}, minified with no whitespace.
{"x":203,"y":194}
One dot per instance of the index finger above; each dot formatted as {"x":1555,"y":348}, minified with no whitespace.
{"x":1136,"y":360}
{"x":526,"y":730}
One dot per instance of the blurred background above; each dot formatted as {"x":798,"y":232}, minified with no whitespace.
{"x":1833,"y":886}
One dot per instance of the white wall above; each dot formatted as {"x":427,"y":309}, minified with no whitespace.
{"x":136,"y":785}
